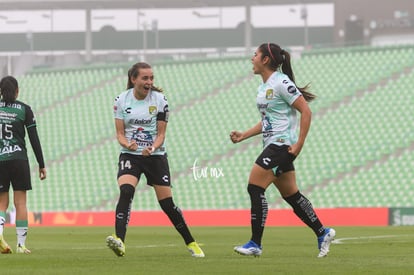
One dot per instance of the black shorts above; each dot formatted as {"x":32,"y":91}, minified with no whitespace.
{"x":16,"y":172}
{"x":155,"y":168}
{"x":277,"y":158}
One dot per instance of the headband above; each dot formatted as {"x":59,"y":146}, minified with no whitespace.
{"x":270,"y":52}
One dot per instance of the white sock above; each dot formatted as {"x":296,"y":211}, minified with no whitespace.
{"x":2,"y":222}
{"x":21,"y":233}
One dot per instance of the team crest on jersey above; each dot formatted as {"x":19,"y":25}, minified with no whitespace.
{"x":152,"y":110}
{"x":269,"y":94}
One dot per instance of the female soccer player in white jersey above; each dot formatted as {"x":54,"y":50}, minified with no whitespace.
{"x":15,"y":118}
{"x":278,"y":99}
{"x":141,"y":116}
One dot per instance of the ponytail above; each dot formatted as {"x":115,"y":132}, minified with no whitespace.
{"x":280,"y":58}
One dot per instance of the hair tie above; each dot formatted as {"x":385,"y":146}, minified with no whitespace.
{"x":282,"y":53}
{"x":270,"y":52}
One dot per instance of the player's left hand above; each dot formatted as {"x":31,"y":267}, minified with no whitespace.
{"x":42,"y":173}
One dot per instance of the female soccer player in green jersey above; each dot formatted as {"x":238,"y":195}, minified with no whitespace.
{"x":15,"y":118}
{"x":278,"y":100}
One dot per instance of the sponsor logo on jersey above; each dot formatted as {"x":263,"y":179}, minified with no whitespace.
{"x":10,"y":149}
{"x":269,"y":94}
{"x":142,"y":137}
{"x":11,"y":105}
{"x":262,"y":106}
{"x":140,"y":121}
{"x":268,"y":134}
{"x":152,"y":110}
{"x":266,"y":125}
{"x":7,"y":115}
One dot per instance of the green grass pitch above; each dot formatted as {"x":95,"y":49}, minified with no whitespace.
{"x":160,"y":250}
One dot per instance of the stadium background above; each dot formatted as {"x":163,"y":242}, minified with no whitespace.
{"x":356,"y":167}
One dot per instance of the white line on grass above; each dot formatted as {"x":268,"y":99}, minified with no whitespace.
{"x":128,"y":246}
{"x":153,"y":245}
{"x":342,"y":240}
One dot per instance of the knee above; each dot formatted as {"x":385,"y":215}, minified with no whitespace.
{"x":167,"y":204}
{"x":127,"y":191}
{"x":255,"y":190}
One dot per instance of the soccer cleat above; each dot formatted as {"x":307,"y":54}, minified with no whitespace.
{"x":21,"y":249}
{"x":324,"y":242}
{"x":116,"y":245}
{"x":195,"y":250}
{"x":250,"y":248}
{"x":4,"y":247}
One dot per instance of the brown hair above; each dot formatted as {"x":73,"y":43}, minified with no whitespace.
{"x":280,"y":58}
{"x":134,"y":71}
{"x":8,"y":89}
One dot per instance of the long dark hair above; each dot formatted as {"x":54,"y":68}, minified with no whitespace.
{"x":281,"y":58}
{"x":8,"y":89}
{"x":133,"y":73}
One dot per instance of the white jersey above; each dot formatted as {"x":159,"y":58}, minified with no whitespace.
{"x":140,"y":118}
{"x":274,"y":100}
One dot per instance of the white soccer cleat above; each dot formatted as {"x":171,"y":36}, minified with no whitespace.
{"x":116,"y":245}
{"x":21,"y":249}
{"x":324,"y":242}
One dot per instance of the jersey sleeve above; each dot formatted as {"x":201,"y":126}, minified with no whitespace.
{"x":288,"y":91}
{"x":30,"y":123}
{"x":29,"y":120}
{"x":118,"y":107}
{"x":163,"y":112}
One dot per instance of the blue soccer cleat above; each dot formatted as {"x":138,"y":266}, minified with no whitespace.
{"x":324,"y":242}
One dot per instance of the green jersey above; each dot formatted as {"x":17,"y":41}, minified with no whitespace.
{"x":14,"y":118}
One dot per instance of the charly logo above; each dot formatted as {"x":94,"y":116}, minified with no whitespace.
{"x":206,"y":172}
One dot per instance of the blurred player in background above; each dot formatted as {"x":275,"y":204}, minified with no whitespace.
{"x":141,"y":116}
{"x":15,"y":118}
{"x":278,"y":99}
